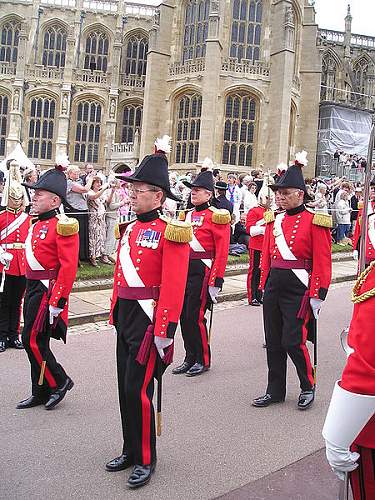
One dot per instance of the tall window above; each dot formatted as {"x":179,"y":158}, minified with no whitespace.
{"x":96,"y":51}
{"x":328,"y":81}
{"x":3,"y":122}
{"x":360,"y":73}
{"x":239,"y":129}
{"x":246,"y":30}
{"x":42,"y":118}
{"x":136,"y":55}
{"x":189,"y":109}
{"x":54,"y":47}
{"x":86,"y":146}
{"x":131,"y":121}
{"x":10,"y":33}
{"x":196,"y":29}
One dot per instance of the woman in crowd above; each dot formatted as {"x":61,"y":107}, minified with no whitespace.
{"x":76,"y":198}
{"x":320,"y":203}
{"x":30,"y":176}
{"x":343,"y":219}
{"x":114,"y":202}
{"x":250,"y":199}
{"x":97,"y":227}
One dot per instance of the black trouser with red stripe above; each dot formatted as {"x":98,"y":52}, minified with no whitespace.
{"x":192,"y":320}
{"x":36,"y":342}
{"x":135,"y":383}
{"x":362,"y":480}
{"x":285,"y":333}
{"x":10,"y":307}
{"x":253,"y":276}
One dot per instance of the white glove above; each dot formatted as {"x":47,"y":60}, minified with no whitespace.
{"x":355,"y":254}
{"x":342,"y":460}
{"x":257,"y":230}
{"x":6,"y":258}
{"x":316,"y":305}
{"x":214,"y":292}
{"x":162,"y":343}
{"x":53,"y":313}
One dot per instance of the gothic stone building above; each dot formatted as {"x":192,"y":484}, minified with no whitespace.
{"x":235,"y":80}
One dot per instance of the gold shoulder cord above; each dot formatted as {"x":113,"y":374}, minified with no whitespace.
{"x":356,"y":299}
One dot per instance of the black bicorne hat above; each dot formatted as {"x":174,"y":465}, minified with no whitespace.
{"x":203,"y":180}
{"x":54,"y":181}
{"x":153,"y":170}
{"x":292,"y":178}
{"x":221,"y":185}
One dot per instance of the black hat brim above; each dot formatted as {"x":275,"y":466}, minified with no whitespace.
{"x":167,"y":192}
{"x":222,"y":188}
{"x":36,"y":187}
{"x":191,"y":185}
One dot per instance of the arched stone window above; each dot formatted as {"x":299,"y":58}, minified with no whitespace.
{"x":96,"y":51}
{"x":361,"y":79}
{"x":246,"y":30}
{"x":54,"y":47}
{"x":10,"y":32}
{"x":3,"y":122}
{"x":131,"y":121}
{"x":188,"y":124}
{"x":41,"y":127}
{"x":136,"y":55}
{"x":196,"y":29}
{"x":87,"y":137}
{"x":328,"y":80}
{"x":239,"y":129}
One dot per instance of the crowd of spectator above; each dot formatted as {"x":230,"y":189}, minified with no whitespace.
{"x":99,"y":202}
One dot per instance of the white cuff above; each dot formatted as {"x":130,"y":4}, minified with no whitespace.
{"x":256,"y":230}
{"x":347,"y":415}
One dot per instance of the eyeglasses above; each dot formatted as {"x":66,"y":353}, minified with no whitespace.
{"x":136,"y":191}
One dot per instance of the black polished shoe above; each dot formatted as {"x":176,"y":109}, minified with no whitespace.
{"x":59,"y":394}
{"x":254,"y":302}
{"x":140,"y":476}
{"x":16,"y":344}
{"x":119,"y":463}
{"x":3,"y":346}
{"x":265,"y":400}
{"x":182,"y":368}
{"x":306,"y":399}
{"x":196,"y":369}
{"x":31,"y":402}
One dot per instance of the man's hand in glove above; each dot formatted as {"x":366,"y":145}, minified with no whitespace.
{"x":316,"y":305}
{"x":162,"y":343}
{"x":214,"y":292}
{"x":53,"y":313}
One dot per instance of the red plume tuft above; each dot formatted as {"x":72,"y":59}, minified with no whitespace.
{"x":61,"y":168}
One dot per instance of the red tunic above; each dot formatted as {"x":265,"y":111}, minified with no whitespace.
{"x":255,"y":215}
{"x":164,"y":266}
{"x":57,"y":252}
{"x":8,"y":218}
{"x":214,"y":238}
{"x":370,"y":245}
{"x":359,"y":372}
{"x":307,"y":241}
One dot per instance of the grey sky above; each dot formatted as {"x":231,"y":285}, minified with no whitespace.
{"x":331,"y":14}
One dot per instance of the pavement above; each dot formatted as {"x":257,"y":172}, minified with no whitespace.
{"x":92,"y":304}
{"x":214,"y":444}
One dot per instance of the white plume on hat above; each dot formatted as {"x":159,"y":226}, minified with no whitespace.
{"x":208,"y":163}
{"x":13,"y":185}
{"x":62,"y":161}
{"x":301,"y":158}
{"x":163,"y":144}
{"x":282,"y":167}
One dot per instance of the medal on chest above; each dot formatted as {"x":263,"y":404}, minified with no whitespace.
{"x":197,"y":220}
{"x":43,"y":232}
{"x":148,"y":238}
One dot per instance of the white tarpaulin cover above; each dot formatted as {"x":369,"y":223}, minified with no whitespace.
{"x":17,"y":154}
{"x":344,"y":129}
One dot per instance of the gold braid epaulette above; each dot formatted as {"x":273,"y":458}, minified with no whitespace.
{"x":356,"y":299}
{"x":321,"y":219}
{"x":269,"y":216}
{"x":178,"y":231}
{"x":67,"y":226}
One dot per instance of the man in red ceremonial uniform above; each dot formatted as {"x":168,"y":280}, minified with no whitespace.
{"x":209,"y":250}
{"x":51,"y":266}
{"x":14,"y":226}
{"x":370,"y":236}
{"x":295,"y":276}
{"x":255,"y":227}
{"x":149,"y":284}
{"x":349,"y":429}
